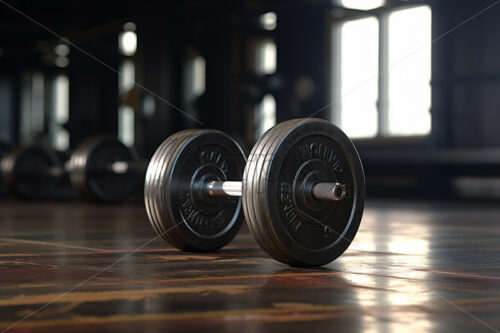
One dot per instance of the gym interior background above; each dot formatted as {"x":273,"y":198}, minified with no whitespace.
{"x":414,"y":83}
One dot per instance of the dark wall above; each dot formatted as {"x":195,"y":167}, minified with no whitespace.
{"x":6,"y":101}
{"x":466,"y":74}
{"x":155,"y":71}
{"x":94,"y":89}
{"x":466,"y":66}
{"x":302,"y":48}
{"x":222,"y":32}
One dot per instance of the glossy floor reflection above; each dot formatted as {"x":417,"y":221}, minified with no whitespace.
{"x":419,"y":266}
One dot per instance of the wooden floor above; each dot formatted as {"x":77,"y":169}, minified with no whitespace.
{"x":425,"y":267}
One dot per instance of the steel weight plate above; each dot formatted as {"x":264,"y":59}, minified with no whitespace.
{"x":154,"y":193}
{"x":286,"y":220}
{"x":91,"y":170}
{"x":26,"y":172}
{"x":177,"y":208}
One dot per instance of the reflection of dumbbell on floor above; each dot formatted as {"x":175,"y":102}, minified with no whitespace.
{"x":101,"y":168}
{"x":302,"y":191}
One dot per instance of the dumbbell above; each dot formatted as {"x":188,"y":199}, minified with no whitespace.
{"x":302,"y":191}
{"x":101,"y":169}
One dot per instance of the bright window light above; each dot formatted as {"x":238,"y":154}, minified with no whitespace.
{"x":265,"y":115}
{"x":126,"y":80}
{"x":61,"y":97}
{"x":60,"y":136}
{"x":126,"y":114}
{"x":359,"y":77}
{"x":265,"y":60}
{"x":148,"y":105}
{"x":61,"y":62}
{"x":265,"y":63}
{"x":61,"y":50}
{"x":362,"y":4}
{"x":198,"y":75}
{"x":126,"y":120}
{"x":128,"y":43}
{"x":268,"y":21}
{"x":409,"y":71}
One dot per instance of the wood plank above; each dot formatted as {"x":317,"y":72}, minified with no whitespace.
{"x":69,"y":266}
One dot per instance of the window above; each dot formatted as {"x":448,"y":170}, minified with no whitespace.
{"x":32,"y":106}
{"x":268,"y":20}
{"x":358,"y":67}
{"x":127,"y":40}
{"x":127,"y":45}
{"x":409,"y":59}
{"x":265,"y":64}
{"x":126,"y":113}
{"x":194,"y":84}
{"x":361,"y":4}
{"x":382,"y":72}
{"x":60,"y":112}
{"x":61,"y":52}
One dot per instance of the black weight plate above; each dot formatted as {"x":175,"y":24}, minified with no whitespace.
{"x":286,"y":220}
{"x":26,"y":172}
{"x":91,"y":173}
{"x":184,"y":215}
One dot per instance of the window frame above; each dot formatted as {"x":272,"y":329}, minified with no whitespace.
{"x":340,"y":15}
{"x":257,"y":45}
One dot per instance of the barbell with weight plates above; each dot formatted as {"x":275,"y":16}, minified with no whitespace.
{"x":302,"y":191}
{"x":23,"y":171}
{"x":105,"y":169}
{"x":101,"y":168}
